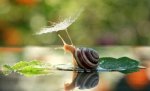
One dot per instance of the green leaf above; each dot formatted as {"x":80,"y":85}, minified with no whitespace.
{"x":128,"y":63}
{"x":34,"y":70}
{"x":123,"y":64}
{"x":30,"y":68}
{"x":22,"y":64}
{"x":6,"y":69}
{"x":109,"y":63}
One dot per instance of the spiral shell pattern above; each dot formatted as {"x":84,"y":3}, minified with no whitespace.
{"x":86,"y":58}
{"x":86,"y":80}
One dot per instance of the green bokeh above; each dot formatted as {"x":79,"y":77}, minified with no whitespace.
{"x":103,"y":22}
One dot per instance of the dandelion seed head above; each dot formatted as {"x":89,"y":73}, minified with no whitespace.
{"x":61,"y":25}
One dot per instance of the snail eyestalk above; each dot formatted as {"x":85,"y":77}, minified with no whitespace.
{"x":69,"y":37}
{"x":67,"y":47}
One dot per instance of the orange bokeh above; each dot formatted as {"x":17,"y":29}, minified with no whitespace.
{"x":27,"y":2}
{"x":138,"y":80}
{"x":12,"y":37}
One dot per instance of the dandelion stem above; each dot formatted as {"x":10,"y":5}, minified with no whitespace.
{"x":62,"y":39}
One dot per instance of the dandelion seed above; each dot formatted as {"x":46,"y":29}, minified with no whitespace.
{"x":62,"y":25}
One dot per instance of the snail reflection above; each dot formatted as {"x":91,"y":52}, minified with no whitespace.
{"x":82,"y":81}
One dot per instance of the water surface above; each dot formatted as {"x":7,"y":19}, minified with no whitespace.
{"x":61,"y":80}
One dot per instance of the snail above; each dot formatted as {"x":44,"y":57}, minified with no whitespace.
{"x":85,"y":58}
{"x":83,"y":81}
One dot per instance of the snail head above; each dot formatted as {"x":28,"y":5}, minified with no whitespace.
{"x":67,"y":47}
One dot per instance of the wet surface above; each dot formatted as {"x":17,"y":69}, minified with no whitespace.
{"x":63,"y":77}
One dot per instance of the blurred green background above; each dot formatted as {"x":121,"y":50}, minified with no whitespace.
{"x":103,"y":22}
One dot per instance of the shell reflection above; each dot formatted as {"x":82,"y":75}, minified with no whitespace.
{"x":83,"y":81}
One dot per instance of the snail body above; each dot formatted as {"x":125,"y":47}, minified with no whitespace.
{"x":86,"y":58}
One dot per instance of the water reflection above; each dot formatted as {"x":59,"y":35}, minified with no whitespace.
{"x":79,"y":81}
{"x":137,"y":81}
{"x":82,"y":81}
{"x":10,"y":83}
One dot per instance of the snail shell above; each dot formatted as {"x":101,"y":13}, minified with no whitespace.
{"x":86,"y":80}
{"x":86,"y":58}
